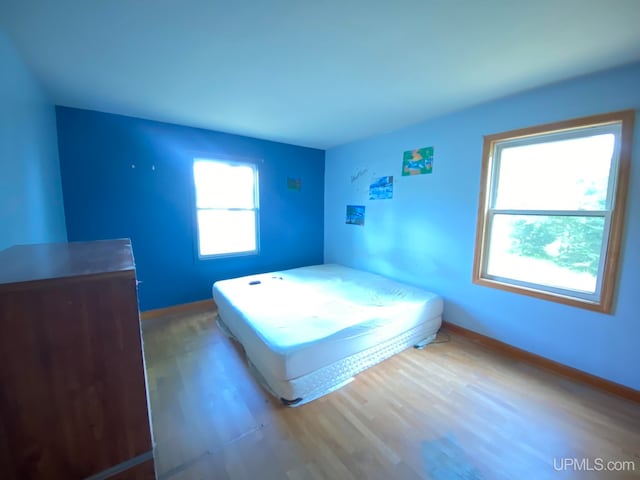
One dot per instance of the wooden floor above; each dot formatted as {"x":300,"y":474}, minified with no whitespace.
{"x":451,"y":411}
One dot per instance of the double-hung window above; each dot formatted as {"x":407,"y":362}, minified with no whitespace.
{"x":227,"y":208}
{"x":551,"y":209}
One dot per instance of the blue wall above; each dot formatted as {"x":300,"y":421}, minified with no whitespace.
{"x":426,"y":234}
{"x":104,"y":197}
{"x":30,"y":192}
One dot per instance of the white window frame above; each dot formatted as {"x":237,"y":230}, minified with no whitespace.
{"x":255,"y":209}
{"x":621,"y":125}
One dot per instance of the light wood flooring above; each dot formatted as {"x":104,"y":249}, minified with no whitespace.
{"x":451,"y":411}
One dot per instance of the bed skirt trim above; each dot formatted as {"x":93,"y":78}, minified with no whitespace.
{"x":336,"y":375}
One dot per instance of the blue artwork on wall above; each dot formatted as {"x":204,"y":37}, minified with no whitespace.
{"x":381,"y":188}
{"x":355,"y":215}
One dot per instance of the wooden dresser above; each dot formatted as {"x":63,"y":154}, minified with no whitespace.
{"x":73,"y":397}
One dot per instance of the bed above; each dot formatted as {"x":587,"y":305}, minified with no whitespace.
{"x":307,"y":331}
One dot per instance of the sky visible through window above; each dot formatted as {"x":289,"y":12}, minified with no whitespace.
{"x":221,"y":185}
{"x":562,"y":175}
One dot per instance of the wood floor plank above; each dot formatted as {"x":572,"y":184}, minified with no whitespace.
{"x":454,"y":410}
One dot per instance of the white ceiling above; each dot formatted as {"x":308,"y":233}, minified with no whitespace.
{"x":311,"y":72}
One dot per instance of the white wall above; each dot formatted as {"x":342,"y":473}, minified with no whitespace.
{"x":31,"y":209}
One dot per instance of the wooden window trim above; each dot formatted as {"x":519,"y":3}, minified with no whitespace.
{"x":613,"y":252}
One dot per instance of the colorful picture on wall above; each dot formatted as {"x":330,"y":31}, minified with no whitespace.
{"x":294,"y":183}
{"x":381,"y":188}
{"x":355,"y":215}
{"x":417,"y":162}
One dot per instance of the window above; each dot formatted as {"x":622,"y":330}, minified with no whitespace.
{"x":551,"y":209}
{"x":226,"y":207}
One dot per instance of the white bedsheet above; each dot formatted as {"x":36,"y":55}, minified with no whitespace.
{"x":295,"y":321}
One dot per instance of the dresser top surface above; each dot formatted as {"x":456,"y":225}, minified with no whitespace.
{"x":49,"y":261}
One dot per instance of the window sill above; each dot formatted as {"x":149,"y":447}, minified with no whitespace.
{"x":602,"y":306}
{"x":227,"y":255}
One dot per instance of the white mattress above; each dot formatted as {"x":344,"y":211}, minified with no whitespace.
{"x":296,"y":321}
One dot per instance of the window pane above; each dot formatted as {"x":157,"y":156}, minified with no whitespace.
{"x":220,"y":185}
{"x":570,"y":174}
{"x":226,"y":231}
{"x":556,"y":251}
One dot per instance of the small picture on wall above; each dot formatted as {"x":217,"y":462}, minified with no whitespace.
{"x":355,"y":215}
{"x":381,"y":188}
{"x":417,"y":162}
{"x":294,"y":183}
